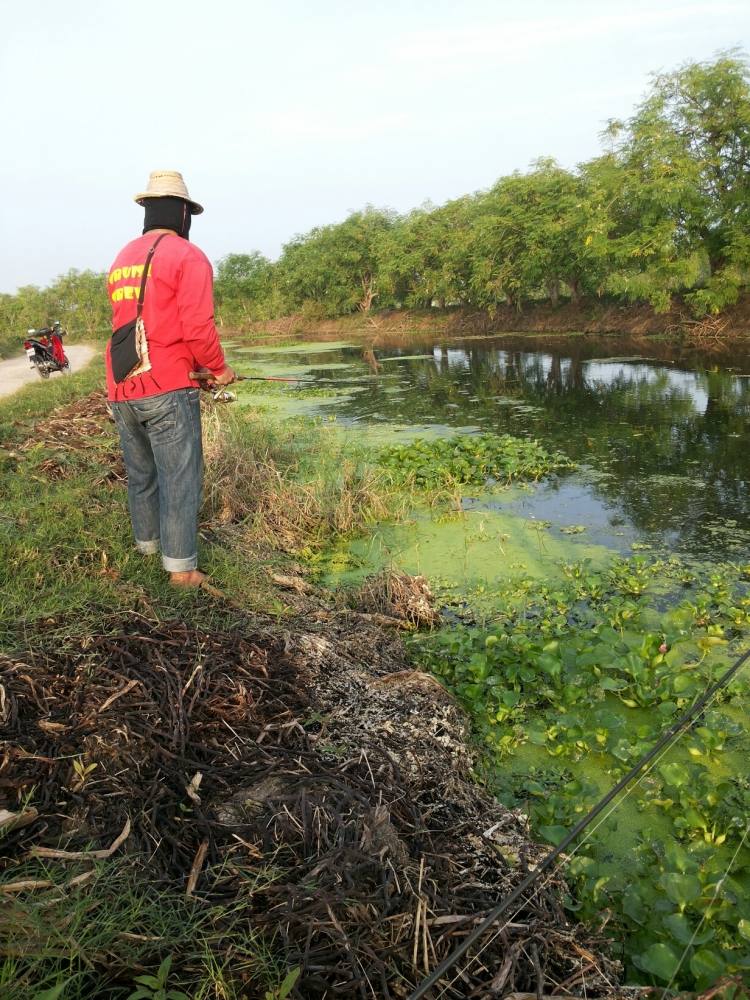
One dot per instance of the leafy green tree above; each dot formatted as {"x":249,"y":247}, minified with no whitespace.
{"x":684,"y":204}
{"x":79,"y":300}
{"x":537,"y":233}
{"x":336,"y":266}
{"x":503,"y":265}
{"x":424,"y":257}
{"x":245,"y":288}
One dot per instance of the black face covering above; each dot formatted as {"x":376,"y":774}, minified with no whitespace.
{"x":167,"y":213}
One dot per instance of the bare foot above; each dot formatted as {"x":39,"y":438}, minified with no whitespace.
{"x":189,"y":579}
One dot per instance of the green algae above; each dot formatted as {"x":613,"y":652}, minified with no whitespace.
{"x":462,"y":552}
{"x":301,"y":347}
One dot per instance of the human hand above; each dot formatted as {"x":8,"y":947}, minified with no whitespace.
{"x":227,"y":376}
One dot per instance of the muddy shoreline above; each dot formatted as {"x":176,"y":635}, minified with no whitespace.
{"x":590,"y":318}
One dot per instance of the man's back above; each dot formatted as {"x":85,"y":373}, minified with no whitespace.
{"x":177,"y":313}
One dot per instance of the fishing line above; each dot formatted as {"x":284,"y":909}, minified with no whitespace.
{"x":707,"y":699}
{"x":616,"y":805}
{"x":662,"y":743}
{"x":702,"y":920}
{"x":319,"y":383}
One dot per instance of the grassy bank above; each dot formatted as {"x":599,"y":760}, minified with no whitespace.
{"x":66,"y":551}
{"x":67,"y":571}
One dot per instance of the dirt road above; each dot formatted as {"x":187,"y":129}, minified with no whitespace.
{"x":16,"y":372}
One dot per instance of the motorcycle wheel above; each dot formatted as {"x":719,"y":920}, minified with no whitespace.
{"x":43,"y":371}
{"x":66,"y":368}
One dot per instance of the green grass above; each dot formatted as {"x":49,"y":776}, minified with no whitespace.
{"x":94,"y":940}
{"x":66,"y":550}
{"x":67,"y":560}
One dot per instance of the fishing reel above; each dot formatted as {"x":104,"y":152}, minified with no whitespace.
{"x":222,"y":395}
{"x":219,"y":393}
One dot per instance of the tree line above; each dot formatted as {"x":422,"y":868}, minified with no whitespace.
{"x":662,"y":213}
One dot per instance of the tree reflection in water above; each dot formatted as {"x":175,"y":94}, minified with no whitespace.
{"x":669,"y":432}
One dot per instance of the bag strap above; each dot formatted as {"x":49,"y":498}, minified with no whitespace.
{"x":146,"y":266}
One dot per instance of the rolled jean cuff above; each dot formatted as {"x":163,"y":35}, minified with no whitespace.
{"x":148,"y":548}
{"x":179,"y":565}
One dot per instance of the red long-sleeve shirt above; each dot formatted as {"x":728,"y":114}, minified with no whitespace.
{"x":178,"y":313}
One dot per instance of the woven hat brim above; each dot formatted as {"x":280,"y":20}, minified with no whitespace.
{"x":195,"y":208}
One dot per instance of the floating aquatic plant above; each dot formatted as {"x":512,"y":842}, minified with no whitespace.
{"x":589,"y":671}
{"x":470,"y":459}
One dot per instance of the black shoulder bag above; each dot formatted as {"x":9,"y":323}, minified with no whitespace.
{"x":128,"y":352}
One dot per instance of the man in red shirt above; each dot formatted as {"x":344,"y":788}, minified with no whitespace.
{"x":157,"y":413}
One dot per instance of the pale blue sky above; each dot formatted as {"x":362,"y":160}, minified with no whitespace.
{"x":287,"y":115}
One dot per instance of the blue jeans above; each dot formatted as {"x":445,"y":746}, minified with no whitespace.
{"x":163,"y":451}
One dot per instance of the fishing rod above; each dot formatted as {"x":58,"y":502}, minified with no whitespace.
{"x":676,"y":729}
{"x":208,"y":377}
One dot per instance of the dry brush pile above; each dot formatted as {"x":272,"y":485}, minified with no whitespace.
{"x":310,"y":755}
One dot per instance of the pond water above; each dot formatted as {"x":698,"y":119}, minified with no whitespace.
{"x":572,"y":660}
{"x":661,"y":443}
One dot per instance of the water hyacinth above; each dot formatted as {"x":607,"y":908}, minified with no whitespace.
{"x":568,"y":683}
{"x":470,"y":459}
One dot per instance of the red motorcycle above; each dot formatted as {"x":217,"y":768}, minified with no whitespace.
{"x":45,"y":351}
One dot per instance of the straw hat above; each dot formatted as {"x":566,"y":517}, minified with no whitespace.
{"x":168,"y":184}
